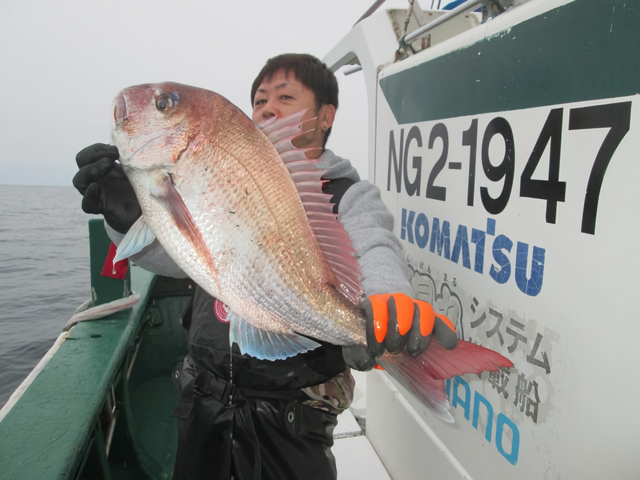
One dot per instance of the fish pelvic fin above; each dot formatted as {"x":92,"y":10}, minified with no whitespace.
{"x":266,"y":345}
{"x":425,"y":374}
{"x":138,"y":237}
{"x":170,"y":198}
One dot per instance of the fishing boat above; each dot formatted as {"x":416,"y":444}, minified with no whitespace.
{"x":507,"y":152}
{"x":503,"y":142}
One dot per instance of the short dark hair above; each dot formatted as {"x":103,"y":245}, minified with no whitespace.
{"x":309,"y":71}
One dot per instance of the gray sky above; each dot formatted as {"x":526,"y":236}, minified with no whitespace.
{"x":63,"y":62}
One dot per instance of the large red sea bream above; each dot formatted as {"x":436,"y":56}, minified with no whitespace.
{"x":256,"y":232}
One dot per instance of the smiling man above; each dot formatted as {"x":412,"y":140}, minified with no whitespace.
{"x":281,"y":94}
{"x":244,"y":418}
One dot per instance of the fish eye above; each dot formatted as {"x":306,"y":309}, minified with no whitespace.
{"x":164,"y":102}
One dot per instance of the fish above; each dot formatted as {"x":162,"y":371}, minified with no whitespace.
{"x":255,"y":230}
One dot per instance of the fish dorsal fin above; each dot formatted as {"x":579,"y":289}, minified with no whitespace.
{"x":274,"y":125}
{"x":332,"y":238}
{"x":266,"y":345}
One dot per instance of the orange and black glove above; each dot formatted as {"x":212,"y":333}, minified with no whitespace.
{"x":395,"y":321}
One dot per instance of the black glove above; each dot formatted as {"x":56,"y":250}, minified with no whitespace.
{"x":105,"y":187}
{"x":395,"y":321}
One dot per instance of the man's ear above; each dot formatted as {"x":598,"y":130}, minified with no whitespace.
{"x":326,"y":116}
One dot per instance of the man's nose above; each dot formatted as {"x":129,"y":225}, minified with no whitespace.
{"x":270,"y":109}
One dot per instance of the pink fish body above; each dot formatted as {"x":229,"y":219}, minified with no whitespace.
{"x":218,"y":197}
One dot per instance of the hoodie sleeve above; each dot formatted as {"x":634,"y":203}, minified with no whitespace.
{"x":369,"y":224}
{"x":152,"y":258}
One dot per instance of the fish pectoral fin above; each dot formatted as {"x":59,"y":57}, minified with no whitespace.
{"x":266,"y":345}
{"x":169,"y":197}
{"x":138,"y":237}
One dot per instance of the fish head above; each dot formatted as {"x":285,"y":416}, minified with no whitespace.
{"x":155,"y":123}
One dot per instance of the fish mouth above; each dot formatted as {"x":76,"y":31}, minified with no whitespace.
{"x":120,"y":110}
{"x":118,"y":135}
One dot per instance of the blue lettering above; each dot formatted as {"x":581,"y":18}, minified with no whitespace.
{"x":417,"y":225}
{"x":467,"y":398}
{"x":491,"y":226}
{"x":422,"y":238}
{"x":533,"y":285}
{"x":502,"y":275}
{"x":462,"y":243}
{"x":512,"y":458}
{"x":502,"y":419}
{"x":409,"y":225}
{"x":476,"y":413}
{"x":478,"y":237}
{"x":442,"y":239}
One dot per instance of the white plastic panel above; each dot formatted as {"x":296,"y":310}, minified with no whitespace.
{"x":407,"y":451}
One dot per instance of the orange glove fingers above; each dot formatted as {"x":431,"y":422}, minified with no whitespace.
{"x":380,"y":315}
{"x":404,"y":312}
{"x":427,"y":317}
{"x":446,"y":321}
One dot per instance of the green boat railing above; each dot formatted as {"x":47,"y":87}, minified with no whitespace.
{"x":99,"y":404}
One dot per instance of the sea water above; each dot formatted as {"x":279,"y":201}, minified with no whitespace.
{"x":44,"y":274}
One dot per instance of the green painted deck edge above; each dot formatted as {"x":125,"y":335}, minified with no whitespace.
{"x":46,"y":432}
{"x":585,"y":50}
{"x":103,"y":289}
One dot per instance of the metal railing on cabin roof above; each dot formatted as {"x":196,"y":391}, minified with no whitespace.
{"x":420,"y":32}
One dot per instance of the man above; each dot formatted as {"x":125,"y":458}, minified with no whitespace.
{"x":249,"y":418}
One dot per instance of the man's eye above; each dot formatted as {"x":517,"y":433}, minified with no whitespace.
{"x":260,"y":102}
{"x":286,"y":97}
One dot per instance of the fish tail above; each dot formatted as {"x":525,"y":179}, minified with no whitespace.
{"x":425,"y":374}
{"x":409,"y":373}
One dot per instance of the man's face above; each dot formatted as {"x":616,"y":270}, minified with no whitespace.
{"x":284,"y":95}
